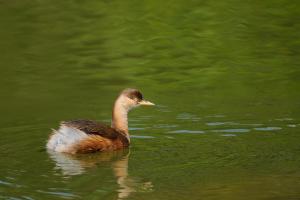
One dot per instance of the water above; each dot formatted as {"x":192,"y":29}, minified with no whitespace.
{"x":224,"y":76}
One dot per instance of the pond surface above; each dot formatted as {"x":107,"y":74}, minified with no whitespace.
{"x":225,"y":77}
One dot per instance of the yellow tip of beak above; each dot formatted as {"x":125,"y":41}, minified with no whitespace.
{"x":146,"y":103}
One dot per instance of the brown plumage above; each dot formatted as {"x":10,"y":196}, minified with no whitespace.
{"x":100,"y":137}
{"x":84,"y":136}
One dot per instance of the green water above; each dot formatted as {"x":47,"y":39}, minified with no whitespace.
{"x":224,"y":74}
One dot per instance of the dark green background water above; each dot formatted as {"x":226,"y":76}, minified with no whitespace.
{"x":224,"y":74}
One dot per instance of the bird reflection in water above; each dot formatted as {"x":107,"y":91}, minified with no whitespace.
{"x":71,"y":165}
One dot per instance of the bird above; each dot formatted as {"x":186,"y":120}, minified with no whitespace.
{"x":87,"y":136}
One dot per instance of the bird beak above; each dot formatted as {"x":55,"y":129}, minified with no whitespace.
{"x":146,"y":103}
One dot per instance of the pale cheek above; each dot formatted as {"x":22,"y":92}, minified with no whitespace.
{"x":128,"y":103}
{"x":133,"y":106}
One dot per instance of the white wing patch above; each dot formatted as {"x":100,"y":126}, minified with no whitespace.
{"x":64,"y":138}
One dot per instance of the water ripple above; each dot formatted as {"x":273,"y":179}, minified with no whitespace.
{"x":6,"y":183}
{"x":141,"y":136}
{"x":284,"y":119}
{"x":228,"y":135}
{"x":27,"y":197}
{"x":188,"y":116}
{"x":9,"y":184}
{"x":136,"y":128}
{"x":236,"y":130}
{"x":268,"y":129}
{"x":215,"y":116}
{"x":162,"y":108}
{"x":187,"y":131}
{"x":169,"y":137}
{"x":165,"y":126}
{"x":221,"y":123}
{"x":66,"y":195}
{"x":230,"y":123}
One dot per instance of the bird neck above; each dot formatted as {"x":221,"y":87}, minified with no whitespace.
{"x":120,"y":117}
